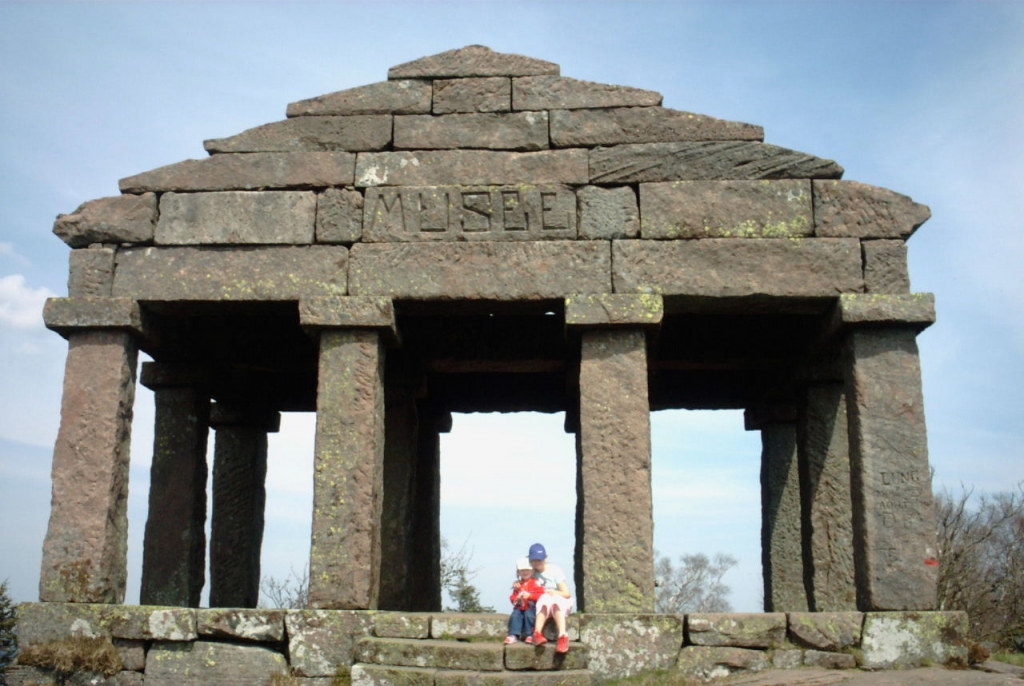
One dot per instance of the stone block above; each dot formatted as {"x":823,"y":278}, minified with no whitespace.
{"x":722,"y":267}
{"x":624,"y":645}
{"x":613,"y":309}
{"x":203,"y":663}
{"x":91,"y":272}
{"x":120,"y":219}
{"x":66,"y":315}
{"x":563,"y":93}
{"x":362,"y":312}
{"x":237,"y":218}
{"x":248,"y":172}
{"x":385,"y":97}
{"x":726,"y":209}
{"x":54,"y":621}
{"x":831,"y":631}
{"x":486,"y":94}
{"x":885,"y":267}
{"x":339,"y":216}
{"x":826,"y":660}
{"x":913,"y":311}
{"x":589,"y":128}
{"x":133,"y":654}
{"x":321,"y":642}
{"x":379,"y":675}
{"x":522,"y":656}
{"x":709,"y":663}
{"x":450,"y":625}
{"x":560,"y":677}
{"x":250,"y":625}
{"x":608,"y":213}
{"x":787,"y":659}
{"x":900,"y":640}
{"x":705,"y":160}
{"x":401,"y":625}
{"x":154,"y":624}
{"x":259,"y":273}
{"x":781,"y":533}
{"x":489,"y":130}
{"x":852,"y":209}
{"x":472,"y":60}
{"x":471,"y":167}
{"x":310,"y":134}
{"x":22,"y":675}
{"x":736,"y":629}
{"x":404,"y":652}
{"x":486,"y":270}
{"x":524,"y":212}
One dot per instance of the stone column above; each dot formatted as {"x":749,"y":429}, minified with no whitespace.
{"x":781,"y":545}
{"x":895,"y":551}
{"x":615,"y":527}
{"x":174,"y":548}
{"x":348,"y":480}
{"x":425,"y":553}
{"x":85,"y":550}
{"x":239,"y":499}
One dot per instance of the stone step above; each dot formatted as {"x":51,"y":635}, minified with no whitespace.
{"x":476,"y":626}
{"x":383,"y":675}
{"x":481,"y":656}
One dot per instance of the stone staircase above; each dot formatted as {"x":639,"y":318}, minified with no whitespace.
{"x":468,"y":653}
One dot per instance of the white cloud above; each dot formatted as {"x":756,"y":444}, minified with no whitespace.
{"x":8,"y":250}
{"x":21,"y":306}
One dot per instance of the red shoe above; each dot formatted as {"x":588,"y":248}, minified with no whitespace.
{"x":563,"y":644}
{"x":529,"y":639}
{"x":538,"y":638}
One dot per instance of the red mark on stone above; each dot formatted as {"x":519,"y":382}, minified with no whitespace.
{"x":931,"y":562}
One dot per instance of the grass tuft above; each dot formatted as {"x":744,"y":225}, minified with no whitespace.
{"x":75,"y":654}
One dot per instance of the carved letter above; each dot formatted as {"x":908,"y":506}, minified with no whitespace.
{"x":477,"y":210}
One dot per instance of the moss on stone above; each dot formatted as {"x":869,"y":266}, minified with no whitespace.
{"x":74,"y":654}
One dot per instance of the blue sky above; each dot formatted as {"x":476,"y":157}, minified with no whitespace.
{"x":920,"y":97}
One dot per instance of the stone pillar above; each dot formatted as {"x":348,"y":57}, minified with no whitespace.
{"x":425,"y":553}
{"x":781,"y":547}
{"x":895,"y":551}
{"x":345,"y":553}
{"x":825,"y":494}
{"x":85,"y":551}
{"x":174,"y":548}
{"x":615,"y":527}
{"x":239,"y":499}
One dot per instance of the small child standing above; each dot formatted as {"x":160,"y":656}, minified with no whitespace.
{"x":526,"y":591}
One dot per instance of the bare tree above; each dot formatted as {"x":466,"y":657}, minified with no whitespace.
{"x":292,"y":592}
{"x":694,"y":586}
{"x":456,"y":574}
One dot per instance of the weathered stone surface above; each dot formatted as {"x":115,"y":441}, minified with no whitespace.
{"x":404,"y":652}
{"x":726,"y":209}
{"x":22,"y":675}
{"x":251,"y":625}
{"x":310,"y":134}
{"x":718,"y":267}
{"x":714,"y":663}
{"x":741,"y":630}
{"x":120,"y":219}
{"x":386,"y":97}
{"x":348,"y":480}
{"x":86,"y":545}
{"x":487,"y":94}
{"x":556,"y":678}
{"x":401,"y":625}
{"x":893,"y":520}
{"x":237,"y":218}
{"x":378,"y":675}
{"x":154,"y":624}
{"x":399,"y":526}
{"x":589,"y":128}
{"x":133,"y":654}
{"x":607,"y":213}
{"x":339,"y":216}
{"x":817,"y":658}
{"x":911,"y":639}
{"x":524,"y":212}
{"x":849,"y":208}
{"x":787,"y":659}
{"x":272,"y":273}
{"x":485,"y":270}
{"x":563,"y":93}
{"x":91,"y":272}
{"x":825,"y":494}
{"x":320,"y":642}
{"x":248,"y":172}
{"x":472,"y":60}
{"x":365,"y":312}
{"x":705,"y":160}
{"x":451,"y":625}
{"x":202,"y":663}
{"x":781,"y":543}
{"x":490,"y":130}
{"x":885,"y":267}
{"x":604,"y":309}
{"x":68,"y":315}
{"x":914,"y":311}
{"x":522,"y":656}
{"x":470,"y":167}
{"x":622,"y":645}
{"x":831,"y":631}
{"x":54,"y":621}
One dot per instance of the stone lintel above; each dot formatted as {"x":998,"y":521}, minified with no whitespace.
{"x":756,"y":418}
{"x":472,"y":60}
{"x":600,"y":310}
{"x":168,"y":374}
{"x":883,"y":310}
{"x":68,"y":315}
{"x":234,"y":414}
{"x":350,"y":312}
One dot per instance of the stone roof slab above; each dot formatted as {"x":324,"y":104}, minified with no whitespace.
{"x":564,"y":93}
{"x":472,"y":60}
{"x":385,"y":97}
{"x":310,"y":134}
{"x":589,"y":128}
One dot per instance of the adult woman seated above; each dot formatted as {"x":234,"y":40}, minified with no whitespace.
{"x":556,"y":603}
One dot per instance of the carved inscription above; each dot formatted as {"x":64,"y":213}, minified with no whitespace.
{"x":491,"y":213}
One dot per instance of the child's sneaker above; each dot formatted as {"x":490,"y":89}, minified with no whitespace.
{"x":529,"y":639}
{"x":511,"y":639}
{"x":538,"y":638}
{"x":563,"y":644}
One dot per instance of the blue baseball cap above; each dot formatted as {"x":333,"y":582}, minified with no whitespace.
{"x":537,"y":552}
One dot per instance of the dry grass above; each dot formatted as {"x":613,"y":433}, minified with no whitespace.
{"x":75,"y":654}
{"x":1010,"y":658}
